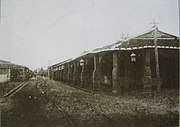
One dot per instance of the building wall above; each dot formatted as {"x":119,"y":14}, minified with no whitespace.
{"x":169,"y":68}
{"x":4,"y":75}
{"x":131,"y":74}
{"x":116,"y":70}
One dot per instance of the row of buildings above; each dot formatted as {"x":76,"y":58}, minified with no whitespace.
{"x":146,"y":61}
{"x":13,"y":72}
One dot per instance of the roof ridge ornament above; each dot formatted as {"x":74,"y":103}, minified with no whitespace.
{"x":154,"y":24}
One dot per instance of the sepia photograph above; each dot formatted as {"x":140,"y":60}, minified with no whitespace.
{"x":89,"y":63}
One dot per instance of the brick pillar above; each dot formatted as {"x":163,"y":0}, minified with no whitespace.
{"x":52,"y":73}
{"x":97,"y":73}
{"x":65,"y":73}
{"x":115,"y":74}
{"x":147,"y":79}
{"x":68,"y":73}
{"x":84,"y":74}
{"x":56,"y":74}
{"x":59,"y":74}
{"x":75,"y":73}
{"x":71,"y":73}
{"x":62,"y":75}
{"x":49,"y":73}
{"x":24,"y":74}
{"x":78,"y":74}
{"x":9,"y":74}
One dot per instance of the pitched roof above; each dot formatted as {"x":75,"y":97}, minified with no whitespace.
{"x":108,"y":47}
{"x":61,"y":63}
{"x":150,"y":34}
{"x":144,"y":40}
{"x":6,"y":64}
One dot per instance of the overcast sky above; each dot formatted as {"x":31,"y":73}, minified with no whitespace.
{"x":32,"y":32}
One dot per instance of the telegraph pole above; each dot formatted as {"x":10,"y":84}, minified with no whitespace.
{"x":156,"y":55}
{"x":48,"y":68}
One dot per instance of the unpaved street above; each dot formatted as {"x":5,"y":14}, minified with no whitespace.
{"x":45,"y":103}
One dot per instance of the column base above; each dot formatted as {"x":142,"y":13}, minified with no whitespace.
{"x":114,"y":91}
{"x":147,"y":83}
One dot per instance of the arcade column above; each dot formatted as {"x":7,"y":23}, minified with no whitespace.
{"x":147,"y":79}
{"x":83,"y":64}
{"x":68,"y":73}
{"x":97,"y":72}
{"x":23,"y":73}
{"x":115,"y":73}
{"x":75,"y":73}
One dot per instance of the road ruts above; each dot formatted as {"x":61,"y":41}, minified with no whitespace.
{"x":15,"y":90}
{"x":100,"y":112}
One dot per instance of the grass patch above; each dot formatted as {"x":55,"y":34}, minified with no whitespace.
{"x":7,"y":86}
{"x":48,"y":103}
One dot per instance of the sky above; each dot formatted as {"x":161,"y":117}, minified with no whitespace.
{"x":36,"y":33}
